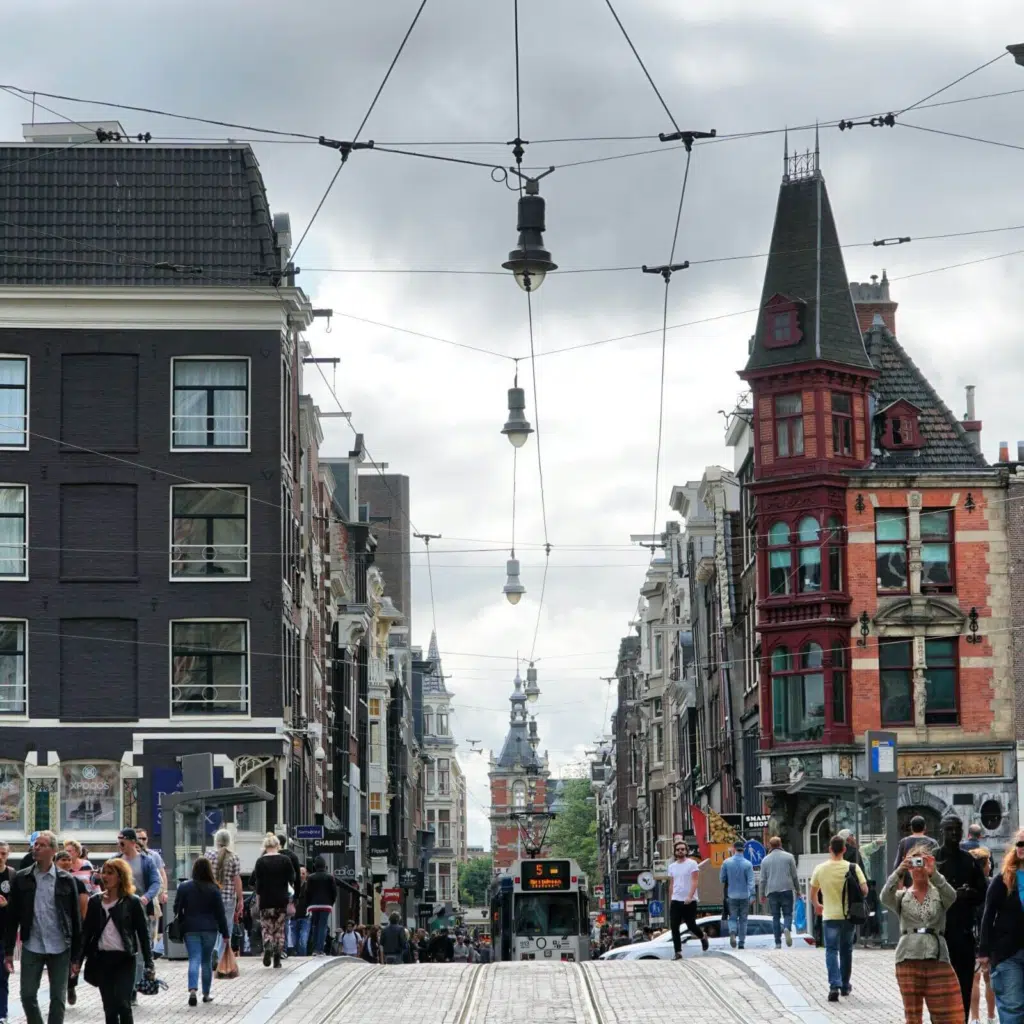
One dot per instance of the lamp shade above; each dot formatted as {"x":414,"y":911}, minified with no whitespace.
{"x":517,"y":428}
{"x":529,"y":261}
{"x":513,"y":589}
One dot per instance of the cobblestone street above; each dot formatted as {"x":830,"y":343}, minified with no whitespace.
{"x":787,"y":987}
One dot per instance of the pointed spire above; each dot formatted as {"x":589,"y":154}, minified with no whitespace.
{"x":433,"y":654}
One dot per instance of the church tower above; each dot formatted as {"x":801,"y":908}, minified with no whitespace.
{"x":518,"y":778}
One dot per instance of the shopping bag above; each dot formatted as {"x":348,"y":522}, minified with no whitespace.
{"x":227,"y":966}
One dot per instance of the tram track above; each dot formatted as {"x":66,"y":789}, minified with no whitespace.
{"x":469,"y":1003}
{"x":597,"y":1015}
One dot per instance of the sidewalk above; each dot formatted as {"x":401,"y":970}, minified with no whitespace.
{"x":233,"y":999}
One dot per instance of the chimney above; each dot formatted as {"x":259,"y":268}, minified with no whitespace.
{"x":871,"y":298}
{"x":1020,"y":452}
{"x":1004,"y":451}
{"x":971,"y":424}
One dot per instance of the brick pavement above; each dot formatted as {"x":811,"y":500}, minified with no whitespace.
{"x":232,"y":999}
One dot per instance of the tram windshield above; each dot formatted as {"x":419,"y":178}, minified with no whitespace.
{"x":547,"y":913}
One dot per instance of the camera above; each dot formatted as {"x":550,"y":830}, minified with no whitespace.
{"x":917,"y":862}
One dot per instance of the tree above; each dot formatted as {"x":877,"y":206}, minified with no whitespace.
{"x":573,"y":833}
{"x":474,"y":881}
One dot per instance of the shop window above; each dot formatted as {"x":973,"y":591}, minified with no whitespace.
{"x":819,"y":831}
{"x":12,"y":796}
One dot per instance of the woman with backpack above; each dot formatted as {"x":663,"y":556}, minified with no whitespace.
{"x":923,"y":971}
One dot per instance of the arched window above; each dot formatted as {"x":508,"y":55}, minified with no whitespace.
{"x":519,"y":796}
{"x":780,"y":560}
{"x":819,"y":830}
{"x":798,"y":694}
{"x":835,"y":554}
{"x":808,"y":539}
{"x":428,"y":720}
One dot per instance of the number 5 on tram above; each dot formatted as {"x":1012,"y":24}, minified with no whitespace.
{"x":539,"y":911}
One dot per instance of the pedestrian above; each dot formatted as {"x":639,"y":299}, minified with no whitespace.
{"x":43,"y":907}
{"x":291,"y":922}
{"x":973,"y":840}
{"x":738,"y":874}
{"x":683,"y":878}
{"x":7,"y":873}
{"x":984,"y":857}
{"x":484,"y":952}
{"x":923,"y":971}
{"x":81,"y":867}
{"x":146,"y":877}
{"x":963,"y":872}
{"x":371,"y":946}
{"x":393,"y":940}
{"x":115,"y":930}
{"x":350,"y":944}
{"x":852,"y":853}
{"x":272,"y":877}
{"x":462,"y":952}
{"x":1001,"y":939}
{"x":227,"y":873}
{"x":161,"y":899}
{"x":30,"y":858}
{"x":423,"y":947}
{"x":830,"y":892}
{"x":916,"y":838}
{"x":780,"y":886}
{"x":622,"y":939}
{"x":321,"y":894}
{"x":199,"y":911}
{"x":63,"y":861}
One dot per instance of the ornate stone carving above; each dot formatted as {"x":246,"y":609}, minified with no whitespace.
{"x":970,"y":764}
{"x":787,"y":770}
{"x":246,"y":766}
{"x":920,"y":697}
{"x":900,"y":616}
{"x":846,"y":766}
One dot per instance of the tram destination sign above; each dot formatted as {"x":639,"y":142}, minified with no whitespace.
{"x":546,"y":875}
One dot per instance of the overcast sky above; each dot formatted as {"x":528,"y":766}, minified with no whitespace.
{"x":433,"y":411}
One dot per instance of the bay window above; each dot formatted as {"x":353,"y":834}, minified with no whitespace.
{"x":780,"y":560}
{"x":816,"y":553}
{"x":798,"y":694}
{"x":835,"y":554}
{"x":842,"y":423}
{"x":809,"y":554}
{"x":839,"y":683}
{"x":789,"y":425}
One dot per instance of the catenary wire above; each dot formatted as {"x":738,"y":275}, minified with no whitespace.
{"x":956,"y":81}
{"x":959,"y":135}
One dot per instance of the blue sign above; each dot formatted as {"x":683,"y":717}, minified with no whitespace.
{"x":754,"y":851}
{"x":309,"y":831}
{"x":167,"y":781}
{"x":655,"y":908}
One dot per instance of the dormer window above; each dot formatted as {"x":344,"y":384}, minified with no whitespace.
{"x":781,"y":322}
{"x":900,"y":426}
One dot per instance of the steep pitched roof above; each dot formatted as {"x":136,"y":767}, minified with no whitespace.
{"x":801,"y":266}
{"x":946,"y":445}
{"x":433,"y":681}
{"x":104,"y":214}
{"x":516,"y":749}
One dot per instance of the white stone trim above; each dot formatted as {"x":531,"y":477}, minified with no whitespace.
{"x":153,"y":308}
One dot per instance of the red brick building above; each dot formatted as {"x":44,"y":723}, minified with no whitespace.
{"x":519,"y":784}
{"x":881,"y":558}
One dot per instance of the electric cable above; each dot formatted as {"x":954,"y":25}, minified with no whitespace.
{"x":958,"y":135}
{"x":956,"y":81}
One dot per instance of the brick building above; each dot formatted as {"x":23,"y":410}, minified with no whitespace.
{"x":519,"y":783}
{"x":881,"y":556}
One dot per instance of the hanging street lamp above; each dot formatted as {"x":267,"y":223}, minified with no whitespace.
{"x":517,"y":428}
{"x":530,"y":261}
{"x":513,"y":589}
{"x":532,"y":690}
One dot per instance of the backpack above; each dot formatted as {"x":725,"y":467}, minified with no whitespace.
{"x":853,"y":899}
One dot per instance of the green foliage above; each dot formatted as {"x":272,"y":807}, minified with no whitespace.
{"x":573,"y":833}
{"x":474,"y":879}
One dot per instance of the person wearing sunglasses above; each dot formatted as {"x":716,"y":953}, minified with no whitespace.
{"x":1001,"y":938}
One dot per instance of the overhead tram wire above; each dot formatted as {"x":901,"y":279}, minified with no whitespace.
{"x":362,"y":124}
{"x":959,"y":135}
{"x":956,"y":81}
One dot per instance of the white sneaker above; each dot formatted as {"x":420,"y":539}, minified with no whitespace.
{"x":789,"y":937}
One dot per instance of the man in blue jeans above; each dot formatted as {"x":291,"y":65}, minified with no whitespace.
{"x":6,"y":879}
{"x":829,"y":882}
{"x":738,"y":875}
{"x":779,"y":885}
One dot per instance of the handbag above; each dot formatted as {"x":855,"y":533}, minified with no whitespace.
{"x":150,"y":985}
{"x":856,"y":907}
{"x":227,"y":966}
{"x":172,"y":930}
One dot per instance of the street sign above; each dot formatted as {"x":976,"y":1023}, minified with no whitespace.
{"x":380,"y":846}
{"x":332,"y":841}
{"x":309,"y":831}
{"x":754,"y":821}
{"x":754,"y":851}
{"x":881,"y":751}
{"x":656,"y":908}
{"x":616,"y":905}
{"x":598,"y":890}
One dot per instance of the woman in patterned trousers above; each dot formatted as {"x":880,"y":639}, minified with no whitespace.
{"x":272,"y":878}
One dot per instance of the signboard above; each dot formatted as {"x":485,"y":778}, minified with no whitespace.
{"x":598,"y":890}
{"x":380,"y":846}
{"x":881,"y":753}
{"x":656,"y":907}
{"x":309,"y":831}
{"x":410,"y":878}
{"x":167,"y":781}
{"x":616,"y":905}
{"x":632,"y":906}
{"x":332,"y":841}
{"x":541,"y":875}
{"x":754,"y":852}
{"x":627,"y":878}
{"x":390,"y":896}
{"x":718,"y":853}
{"x":346,"y":873}
{"x":430,"y":898}
{"x":755,"y":821}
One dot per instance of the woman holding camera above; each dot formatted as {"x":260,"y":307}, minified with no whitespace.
{"x":923,"y":971}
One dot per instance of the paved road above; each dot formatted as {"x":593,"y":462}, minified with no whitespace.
{"x":787,"y":987}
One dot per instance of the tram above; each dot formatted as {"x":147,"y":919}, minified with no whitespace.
{"x":539,"y":911}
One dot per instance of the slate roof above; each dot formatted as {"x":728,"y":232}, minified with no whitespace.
{"x":792,"y":271}
{"x":946,"y":444}
{"x":433,"y":681}
{"x":103,"y":214}
{"x":516,"y":748}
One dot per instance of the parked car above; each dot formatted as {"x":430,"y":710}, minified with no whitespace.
{"x":759,"y":936}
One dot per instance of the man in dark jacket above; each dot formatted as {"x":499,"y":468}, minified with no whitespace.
{"x":43,"y":907}
{"x":7,"y":874}
{"x":964,"y":873}
{"x":393,"y":940}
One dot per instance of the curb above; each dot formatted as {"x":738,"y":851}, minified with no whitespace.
{"x":780,"y":986}
{"x":281,"y":994}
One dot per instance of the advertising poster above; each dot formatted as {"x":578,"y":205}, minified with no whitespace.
{"x":90,"y":795}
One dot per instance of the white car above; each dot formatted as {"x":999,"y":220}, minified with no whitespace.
{"x":759,"y":936}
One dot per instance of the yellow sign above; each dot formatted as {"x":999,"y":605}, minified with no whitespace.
{"x":718,"y":853}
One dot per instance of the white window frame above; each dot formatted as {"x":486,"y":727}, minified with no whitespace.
{"x":428,"y":721}
{"x":248,"y":404}
{"x":519,"y":790}
{"x":810,"y":830}
{"x":28,"y":402}
{"x":13,"y":717}
{"x":208,"y":720}
{"x":376,"y":748}
{"x":23,"y":578}
{"x":247,"y":577}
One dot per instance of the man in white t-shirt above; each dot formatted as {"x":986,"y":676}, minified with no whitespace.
{"x":683,"y":875}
